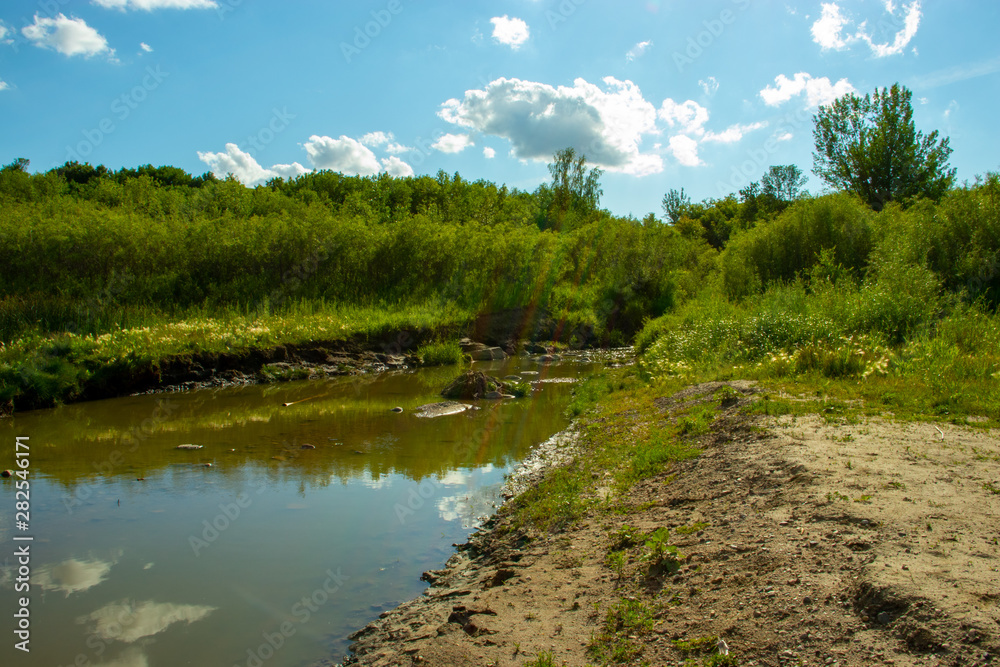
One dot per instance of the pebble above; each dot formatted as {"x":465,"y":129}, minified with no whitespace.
{"x":884,"y":618}
{"x":397,"y":409}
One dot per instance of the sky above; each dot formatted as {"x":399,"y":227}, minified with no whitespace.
{"x":660,"y":94}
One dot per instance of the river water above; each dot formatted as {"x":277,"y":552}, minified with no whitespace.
{"x":310,"y":508}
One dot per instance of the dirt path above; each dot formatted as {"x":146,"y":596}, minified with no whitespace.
{"x":801,"y":542}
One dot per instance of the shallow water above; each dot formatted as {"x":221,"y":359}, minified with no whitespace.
{"x":292,"y":526}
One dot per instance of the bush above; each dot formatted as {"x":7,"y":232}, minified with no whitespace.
{"x":440,"y":354}
{"x":793,"y":243}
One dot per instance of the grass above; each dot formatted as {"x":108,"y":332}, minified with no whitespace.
{"x":617,"y":642}
{"x":46,"y":368}
{"x":544,"y":659}
{"x":440,"y":354}
{"x":608,"y":442}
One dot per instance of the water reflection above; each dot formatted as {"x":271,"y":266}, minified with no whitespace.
{"x":72,"y":576}
{"x":296,"y":488}
{"x":130,"y":657}
{"x":128,"y":621}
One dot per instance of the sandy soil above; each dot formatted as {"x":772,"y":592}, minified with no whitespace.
{"x":827,"y":543}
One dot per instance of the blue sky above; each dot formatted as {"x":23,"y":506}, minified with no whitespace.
{"x":696,"y":95}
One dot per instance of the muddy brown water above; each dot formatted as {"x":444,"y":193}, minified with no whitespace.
{"x":291,"y":527}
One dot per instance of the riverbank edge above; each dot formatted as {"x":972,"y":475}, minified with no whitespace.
{"x":491,"y":543}
{"x":317,"y":359}
{"x":778,"y":563}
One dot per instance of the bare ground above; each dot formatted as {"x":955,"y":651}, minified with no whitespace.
{"x":827,"y":543}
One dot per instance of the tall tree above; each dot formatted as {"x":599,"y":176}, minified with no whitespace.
{"x":573,"y":186}
{"x":783,"y":182}
{"x":869,"y":146}
{"x":675,"y":204}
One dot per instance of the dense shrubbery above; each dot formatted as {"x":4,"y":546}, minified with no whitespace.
{"x":830,"y":288}
{"x":103,"y":270}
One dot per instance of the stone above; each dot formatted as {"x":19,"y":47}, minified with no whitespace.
{"x":488,"y":354}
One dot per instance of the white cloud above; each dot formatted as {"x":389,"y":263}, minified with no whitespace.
{"x":394,"y":147}
{"x":396,"y":167}
{"x":733,"y":133}
{"x":829,"y":30}
{"x":690,"y":115}
{"x":145,"y":619}
{"x":685,"y":150}
{"x":818,"y":91}
{"x":452,"y":143}
{"x":4,"y":30}
{"x":826,"y":31}
{"x":145,"y":47}
{"x":638,"y":50}
{"x":150,"y":5}
{"x":245,"y":168}
{"x":288,"y":171}
{"x":607,"y":125}
{"x":911,"y":22}
{"x":73,"y":576}
{"x":377,"y":138}
{"x":345,"y":155}
{"x":709,"y":85}
{"x":784,"y":135}
{"x":952,"y":106}
{"x":512,"y":32}
{"x":3,"y":85}
{"x":956,"y":74}
{"x":70,"y":37}
{"x":489,"y":153}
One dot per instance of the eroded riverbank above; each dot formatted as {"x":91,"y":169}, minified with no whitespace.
{"x":804,"y":541}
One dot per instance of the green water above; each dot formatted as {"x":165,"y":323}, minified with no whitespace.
{"x":310,"y":520}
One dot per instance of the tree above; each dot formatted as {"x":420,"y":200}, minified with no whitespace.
{"x":675,"y":204}
{"x":783,"y":182}
{"x":869,"y":146}
{"x":19,"y":165}
{"x":573,"y":186}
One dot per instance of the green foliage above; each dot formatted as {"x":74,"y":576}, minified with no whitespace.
{"x":870,"y":147}
{"x":651,"y":457}
{"x":660,"y":554}
{"x":544,"y":659}
{"x":574,"y":187}
{"x":626,"y":537}
{"x":624,"y":620}
{"x":440,"y":354}
{"x":783,"y":182}
{"x":675,"y":204}
{"x":794,"y":242}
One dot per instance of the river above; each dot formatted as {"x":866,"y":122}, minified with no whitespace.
{"x":310,"y":508}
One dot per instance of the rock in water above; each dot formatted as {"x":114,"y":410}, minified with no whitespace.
{"x":190,"y":446}
{"x":488,"y":354}
{"x":441,"y":409}
{"x":474,"y":384}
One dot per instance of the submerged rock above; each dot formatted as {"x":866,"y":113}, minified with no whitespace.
{"x":441,"y":409}
{"x":190,"y":446}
